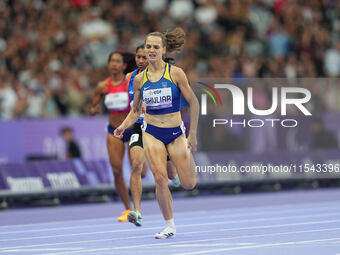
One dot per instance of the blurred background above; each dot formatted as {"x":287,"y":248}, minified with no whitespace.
{"x":54,"y":52}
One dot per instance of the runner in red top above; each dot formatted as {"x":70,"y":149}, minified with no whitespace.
{"x":114,"y":90}
{"x":115,"y":97}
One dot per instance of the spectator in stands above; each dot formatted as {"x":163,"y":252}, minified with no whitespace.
{"x":72,"y":148}
{"x":332,"y":60}
{"x":51,"y":52}
{"x":8,"y":98}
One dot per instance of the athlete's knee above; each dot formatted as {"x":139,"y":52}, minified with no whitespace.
{"x":137,"y":166}
{"x":189,"y":184}
{"x":161,"y":180}
{"x":117,"y":172}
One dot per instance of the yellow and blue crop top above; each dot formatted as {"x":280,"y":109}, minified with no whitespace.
{"x":160,"y":97}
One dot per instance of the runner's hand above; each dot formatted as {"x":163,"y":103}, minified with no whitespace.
{"x":192,"y":142}
{"x":95,"y":110}
{"x":119,"y":132}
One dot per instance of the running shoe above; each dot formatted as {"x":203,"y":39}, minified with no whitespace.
{"x":175,"y":181}
{"x":135,"y":217}
{"x":123,"y":217}
{"x":166,"y":233}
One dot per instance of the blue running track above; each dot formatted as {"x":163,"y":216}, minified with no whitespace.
{"x":294,"y":222}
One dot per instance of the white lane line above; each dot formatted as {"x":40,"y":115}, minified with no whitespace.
{"x":235,"y":211}
{"x":47,"y":249}
{"x":78,"y":242}
{"x":183,"y":225}
{"x":110,"y":219}
{"x":218,"y":215}
{"x":178,"y":242}
{"x":195,"y":245}
{"x":98,"y":250}
{"x":256,"y":246}
{"x":55,"y":222}
{"x":259,"y":227}
{"x":325,"y":244}
{"x":249,"y":228}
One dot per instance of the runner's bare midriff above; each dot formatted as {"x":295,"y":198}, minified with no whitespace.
{"x":168,"y":120}
{"x":117,"y":119}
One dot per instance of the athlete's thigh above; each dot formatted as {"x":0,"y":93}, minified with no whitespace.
{"x":155,"y":153}
{"x":115,"y":149}
{"x":171,"y":169}
{"x":136,"y":152}
{"x":181,"y":156}
{"x":138,"y":160}
{"x":137,"y":155}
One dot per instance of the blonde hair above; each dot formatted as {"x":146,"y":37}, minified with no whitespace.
{"x":173,"y":39}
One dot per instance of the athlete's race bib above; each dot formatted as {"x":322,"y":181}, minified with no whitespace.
{"x":134,"y":138}
{"x":117,"y":101}
{"x":157,"y":98}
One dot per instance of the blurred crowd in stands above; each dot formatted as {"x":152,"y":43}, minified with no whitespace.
{"x":53,"y":52}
